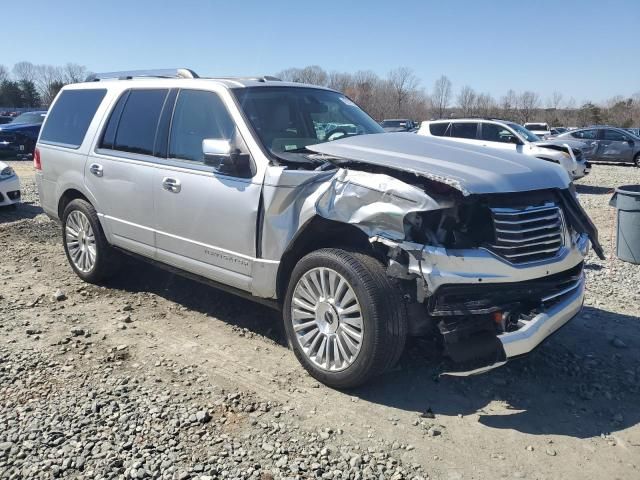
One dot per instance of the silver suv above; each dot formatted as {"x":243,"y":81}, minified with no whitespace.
{"x":505,"y":135}
{"x":360,"y":237}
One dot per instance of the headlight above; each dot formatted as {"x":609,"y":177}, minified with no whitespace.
{"x":6,"y":173}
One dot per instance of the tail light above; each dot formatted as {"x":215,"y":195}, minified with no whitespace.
{"x":37,"y":164}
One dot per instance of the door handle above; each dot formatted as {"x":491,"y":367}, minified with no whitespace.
{"x":171,"y":184}
{"x":96,"y":169}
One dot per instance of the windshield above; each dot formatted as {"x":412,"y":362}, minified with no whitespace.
{"x":287,"y":119}
{"x":536,"y":126}
{"x":29,"y":117}
{"x":523,"y":132}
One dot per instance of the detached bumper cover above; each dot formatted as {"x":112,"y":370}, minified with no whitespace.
{"x":544,"y":324}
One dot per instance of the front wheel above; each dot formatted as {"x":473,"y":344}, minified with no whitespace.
{"x":345,"y":319}
{"x":636,"y":160}
{"x":86,"y":247}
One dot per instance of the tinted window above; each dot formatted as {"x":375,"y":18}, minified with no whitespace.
{"x":136,"y":131}
{"x":496,"y":133}
{"x":464,"y":130}
{"x":70,"y":116}
{"x":614,"y":136}
{"x":198,"y":115}
{"x":585,"y":134}
{"x":439,"y":129}
{"x":109,"y":136}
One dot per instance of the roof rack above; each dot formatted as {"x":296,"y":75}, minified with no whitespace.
{"x":263,"y":78}
{"x":159,"y":73}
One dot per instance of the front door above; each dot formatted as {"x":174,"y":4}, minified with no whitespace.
{"x":205,"y":220}
{"x":615,"y":146}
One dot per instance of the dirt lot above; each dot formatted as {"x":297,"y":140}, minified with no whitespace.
{"x":160,"y":377}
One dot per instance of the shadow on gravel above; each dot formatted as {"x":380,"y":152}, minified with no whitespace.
{"x":140,"y":276}
{"x":593,"y":190}
{"x":577,"y":384}
{"x":19,"y":212}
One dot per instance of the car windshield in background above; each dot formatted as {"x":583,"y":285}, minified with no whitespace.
{"x":537,"y":126}
{"x":287,"y":119}
{"x":530,"y":137}
{"x":394,"y":123}
{"x":29,"y":118}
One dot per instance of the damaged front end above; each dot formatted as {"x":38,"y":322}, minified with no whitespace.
{"x":492,"y":274}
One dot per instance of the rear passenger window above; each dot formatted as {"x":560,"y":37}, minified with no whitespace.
{"x":439,"y":129}
{"x":69,"y":119}
{"x":198,"y":115}
{"x":464,"y":130}
{"x":614,"y":135}
{"x":133,"y":122}
{"x":585,"y":134}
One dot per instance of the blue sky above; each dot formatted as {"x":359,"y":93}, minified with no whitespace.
{"x":584,"y":49}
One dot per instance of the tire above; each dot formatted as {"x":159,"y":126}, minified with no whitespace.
{"x":636,"y":160}
{"x":80,"y":216}
{"x":382,"y":313}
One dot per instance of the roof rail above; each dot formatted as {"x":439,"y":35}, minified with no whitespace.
{"x":263,"y":78}
{"x":159,"y":73}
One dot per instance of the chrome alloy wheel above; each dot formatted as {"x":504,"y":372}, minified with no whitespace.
{"x":327,"y":319}
{"x":81,"y":242}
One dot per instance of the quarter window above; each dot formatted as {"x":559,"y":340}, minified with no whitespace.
{"x":69,"y":119}
{"x":198,"y":115}
{"x":464,"y":130}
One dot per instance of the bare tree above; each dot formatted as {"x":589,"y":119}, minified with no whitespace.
{"x":4,"y":73}
{"x":441,"y":95}
{"x":466,"y":100}
{"x":508,"y":104}
{"x":340,"y":81}
{"x":555,"y":100}
{"x":74,"y":73}
{"x":484,"y":105}
{"x":48,"y":81}
{"x":403,"y":84}
{"x":313,"y":74}
{"x":25,"y":71}
{"x":528,"y":103}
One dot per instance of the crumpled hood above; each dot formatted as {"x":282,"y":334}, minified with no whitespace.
{"x":469,"y":168}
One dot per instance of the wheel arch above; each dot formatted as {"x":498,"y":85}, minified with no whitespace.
{"x":318,"y":233}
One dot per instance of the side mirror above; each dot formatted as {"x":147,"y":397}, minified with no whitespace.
{"x":226,"y":159}
{"x":514,"y":139}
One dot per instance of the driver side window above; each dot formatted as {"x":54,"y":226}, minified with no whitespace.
{"x":198,"y":115}
{"x":496,"y":133}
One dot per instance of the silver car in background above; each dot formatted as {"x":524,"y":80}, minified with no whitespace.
{"x":361,"y":238}
{"x":607,"y":144}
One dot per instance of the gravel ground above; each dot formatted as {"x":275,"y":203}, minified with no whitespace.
{"x":154,"y":376}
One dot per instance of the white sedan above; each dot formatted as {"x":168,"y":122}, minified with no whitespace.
{"x":9,"y":186}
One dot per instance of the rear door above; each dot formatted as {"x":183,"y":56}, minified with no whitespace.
{"x":466,"y":132}
{"x":206,"y":220}
{"x":120,"y":171}
{"x":616,"y":146}
{"x":590,"y":137}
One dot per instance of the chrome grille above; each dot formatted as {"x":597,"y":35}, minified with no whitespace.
{"x":528,"y":234}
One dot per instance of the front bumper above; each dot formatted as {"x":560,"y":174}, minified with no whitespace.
{"x":467,"y":267}
{"x":9,"y":191}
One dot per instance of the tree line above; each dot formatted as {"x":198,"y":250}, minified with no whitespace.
{"x":35,"y":86}
{"x":400,"y":95}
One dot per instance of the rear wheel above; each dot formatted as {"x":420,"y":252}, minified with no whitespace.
{"x":636,"y":160}
{"x":345,"y":320}
{"x":85,"y":244}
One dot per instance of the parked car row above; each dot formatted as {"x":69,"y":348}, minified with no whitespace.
{"x":509,"y":136}
{"x":360,"y":237}
{"x":19,"y":136}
